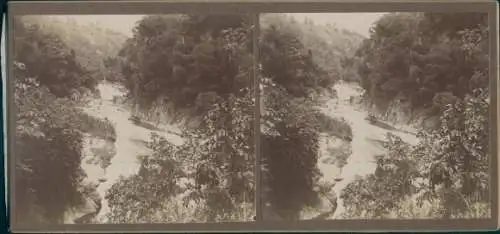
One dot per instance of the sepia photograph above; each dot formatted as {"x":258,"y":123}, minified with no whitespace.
{"x":251,"y":116}
{"x":127,"y":119}
{"x":374,"y":116}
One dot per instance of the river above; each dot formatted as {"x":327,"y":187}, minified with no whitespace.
{"x":365,"y":135}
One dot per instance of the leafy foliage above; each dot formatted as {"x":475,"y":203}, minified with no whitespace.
{"x":384,"y":190}
{"x":139,"y":197}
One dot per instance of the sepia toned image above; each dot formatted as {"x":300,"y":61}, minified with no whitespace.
{"x":375,"y":116}
{"x":124,"y":119}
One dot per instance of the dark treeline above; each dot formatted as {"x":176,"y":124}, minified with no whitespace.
{"x":438,"y":63}
{"x":50,"y":129}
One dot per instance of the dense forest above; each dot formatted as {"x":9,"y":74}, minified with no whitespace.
{"x":197,"y":72}
{"x":50,"y":128}
{"x":436,"y":64}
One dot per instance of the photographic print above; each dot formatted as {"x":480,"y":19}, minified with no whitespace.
{"x":123,"y":119}
{"x":375,"y":116}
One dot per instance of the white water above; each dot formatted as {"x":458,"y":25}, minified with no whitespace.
{"x":125,"y":162}
{"x":361,"y":162}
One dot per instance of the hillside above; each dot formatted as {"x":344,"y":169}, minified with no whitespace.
{"x":328,"y":44}
{"x":91,"y":43}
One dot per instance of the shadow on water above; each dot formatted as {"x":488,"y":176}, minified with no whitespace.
{"x":139,"y":142}
{"x":147,"y":125}
{"x":337,"y":156}
{"x":376,"y":142}
{"x":378,"y":123}
{"x":152,"y":127}
{"x":375,"y":122}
